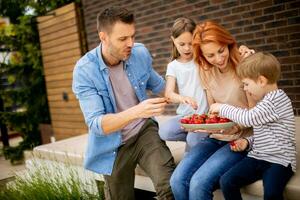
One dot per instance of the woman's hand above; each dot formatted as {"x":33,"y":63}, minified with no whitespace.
{"x":219,"y":131}
{"x":228,"y":134}
{"x":245,"y":51}
{"x":239,"y":144}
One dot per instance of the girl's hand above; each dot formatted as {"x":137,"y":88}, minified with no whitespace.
{"x":215,"y":108}
{"x":245,"y":51}
{"x":190,"y":101}
{"x":239,"y":145}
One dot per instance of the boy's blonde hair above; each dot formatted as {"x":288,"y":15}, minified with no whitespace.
{"x":260,"y":64}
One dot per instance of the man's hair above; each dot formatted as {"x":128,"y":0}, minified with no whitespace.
{"x":108,"y":17}
{"x":260,"y":64}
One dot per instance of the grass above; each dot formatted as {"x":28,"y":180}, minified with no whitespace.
{"x":46,"y":180}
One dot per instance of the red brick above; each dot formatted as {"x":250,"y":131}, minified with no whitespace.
{"x":286,"y":14}
{"x":271,"y":25}
{"x":262,"y":4}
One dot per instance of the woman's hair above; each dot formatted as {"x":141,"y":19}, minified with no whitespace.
{"x":260,"y":64}
{"x":210,"y":31}
{"x":181,"y":25}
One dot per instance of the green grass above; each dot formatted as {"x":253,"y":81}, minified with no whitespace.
{"x":46,"y":181}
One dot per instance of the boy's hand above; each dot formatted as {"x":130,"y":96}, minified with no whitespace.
{"x":215,"y":108}
{"x":190,"y":101}
{"x":239,"y":144}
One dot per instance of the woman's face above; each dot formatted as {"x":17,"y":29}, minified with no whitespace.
{"x":216,"y":54}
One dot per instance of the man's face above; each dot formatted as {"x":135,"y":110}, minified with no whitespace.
{"x":117,"y":44}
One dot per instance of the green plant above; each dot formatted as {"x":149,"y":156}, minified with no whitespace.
{"x":22,"y":86}
{"x":52,"y":180}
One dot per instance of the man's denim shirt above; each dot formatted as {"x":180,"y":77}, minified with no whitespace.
{"x":92,"y":87}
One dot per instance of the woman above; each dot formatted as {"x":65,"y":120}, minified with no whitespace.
{"x":217,"y":55}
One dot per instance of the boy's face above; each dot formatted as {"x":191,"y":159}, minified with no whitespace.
{"x":256,"y":89}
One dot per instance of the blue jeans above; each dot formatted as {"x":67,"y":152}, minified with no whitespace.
{"x":172,"y":131}
{"x":197,"y":175}
{"x":249,"y":170}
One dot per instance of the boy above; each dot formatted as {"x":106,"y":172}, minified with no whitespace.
{"x":272,"y":149}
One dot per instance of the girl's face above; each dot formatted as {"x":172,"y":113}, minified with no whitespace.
{"x":183,"y":44}
{"x":216,"y":54}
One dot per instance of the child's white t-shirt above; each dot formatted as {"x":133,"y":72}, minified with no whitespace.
{"x":188,"y":82}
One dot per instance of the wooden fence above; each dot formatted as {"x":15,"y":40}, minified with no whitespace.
{"x":62,"y":43}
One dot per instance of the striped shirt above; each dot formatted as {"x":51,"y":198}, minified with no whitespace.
{"x":273,"y":125}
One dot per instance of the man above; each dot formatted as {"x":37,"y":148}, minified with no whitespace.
{"x":110,"y":82}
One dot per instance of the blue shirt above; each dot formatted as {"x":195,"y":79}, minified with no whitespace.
{"x":92,"y":87}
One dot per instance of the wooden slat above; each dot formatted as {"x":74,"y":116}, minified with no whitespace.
{"x":59,"y":41}
{"x":45,"y":18}
{"x":58,"y":70}
{"x":57,"y":19}
{"x":62,"y":62}
{"x":58,"y":77}
{"x":64,"y":104}
{"x":64,"y":111}
{"x":55,"y":91}
{"x":59,"y":34}
{"x":58,"y":97}
{"x":63,"y":133}
{"x":61,"y":124}
{"x":64,"y":54}
{"x":75,"y":131}
{"x":57,"y":12}
{"x":65,"y":9}
{"x":60,"y":48}
{"x":59,"y":84}
{"x":68,"y":118}
{"x":57,"y":27}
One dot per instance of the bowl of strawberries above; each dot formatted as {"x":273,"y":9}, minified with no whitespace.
{"x":206,"y":122}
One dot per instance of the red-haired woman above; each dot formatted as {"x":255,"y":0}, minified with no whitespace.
{"x":216,"y":53}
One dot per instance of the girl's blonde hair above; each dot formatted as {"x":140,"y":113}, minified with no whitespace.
{"x":210,"y":31}
{"x":181,"y":25}
{"x":260,"y":64}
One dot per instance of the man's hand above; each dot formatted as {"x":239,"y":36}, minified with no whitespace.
{"x":245,"y":51}
{"x":190,"y":101}
{"x":215,"y":108}
{"x":239,"y":144}
{"x":150,"y":107}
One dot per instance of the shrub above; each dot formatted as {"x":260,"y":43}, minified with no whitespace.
{"x":52,"y":180}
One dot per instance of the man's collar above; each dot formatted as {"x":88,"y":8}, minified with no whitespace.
{"x":103,"y":65}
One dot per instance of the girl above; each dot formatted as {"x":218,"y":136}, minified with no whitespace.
{"x":216,"y":53}
{"x":183,"y":72}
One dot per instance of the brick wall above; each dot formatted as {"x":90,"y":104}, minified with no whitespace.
{"x":271,"y":25}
